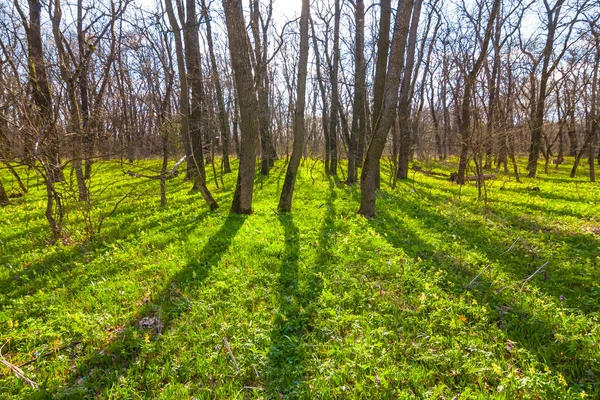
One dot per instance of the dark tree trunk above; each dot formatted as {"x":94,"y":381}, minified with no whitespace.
{"x":287,"y":192}
{"x":358,"y":107}
{"x":325,"y":108}
{"x":370,"y":172}
{"x":240,"y":60}
{"x":406,"y":96}
{"x":465,"y":120}
{"x":195,"y":119}
{"x":224,"y":123}
{"x":3,"y":196}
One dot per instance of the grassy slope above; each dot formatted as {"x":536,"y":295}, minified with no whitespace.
{"x":317,"y":303}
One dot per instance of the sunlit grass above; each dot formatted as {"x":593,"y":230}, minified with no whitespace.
{"x":319,"y":303}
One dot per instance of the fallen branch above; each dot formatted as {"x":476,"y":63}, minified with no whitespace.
{"x":49,"y":353}
{"x":537,"y":271}
{"x":237,"y":369}
{"x":18,"y":372}
{"x":511,"y":246}
{"x":172,"y":173}
{"x":534,"y":274}
{"x":478,"y":275}
{"x":471,"y":178}
{"x":429,"y":172}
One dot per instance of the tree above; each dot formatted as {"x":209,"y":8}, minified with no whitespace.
{"x":369,"y":175}
{"x":465,"y":120}
{"x":359,"y":112}
{"x":224,"y":123}
{"x":191,"y":120}
{"x":240,"y":61}
{"x":287,"y":191}
{"x":406,"y":95}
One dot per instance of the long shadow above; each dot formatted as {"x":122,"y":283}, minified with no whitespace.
{"x":154,"y":317}
{"x":292,"y":328}
{"x":531,"y":328}
{"x":56,"y":269}
{"x":522,"y":258}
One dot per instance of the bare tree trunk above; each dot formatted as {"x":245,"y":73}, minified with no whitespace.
{"x":195,"y":119}
{"x":74,"y":122}
{"x":369,"y":175}
{"x":383,"y":45}
{"x":219,"y":92}
{"x":405,"y":96}
{"x":325,"y":107}
{"x":359,"y":117}
{"x":287,"y":192}
{"x":465,"y":122}
{"x":239,"y":49}
{"x":3,"y":196}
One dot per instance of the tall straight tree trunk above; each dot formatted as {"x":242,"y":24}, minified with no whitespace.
{"x":404,"y":117}
{"x":594,"y":113}
{"x":369,"y":175}
{"x":287,"y":192}
{"x":262,"y":89}
{"x":333,"y":74}
{"x":87,"y":134}
{"x":465,"y":121}
{"x":358,"y":107}
{"x":383,"y":45}
{"x":184,"y":109}
{"x":195,"y":119}
{"x":240,"y":61}
{"x":325,"y":108}
{"x":224,"y":123}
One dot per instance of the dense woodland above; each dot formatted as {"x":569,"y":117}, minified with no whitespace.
{"x":439,"y":121}
{"x":347,"y":82}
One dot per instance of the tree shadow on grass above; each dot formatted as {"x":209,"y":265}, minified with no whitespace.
{"x":104,"y":367}
{"x":290,"y":347}
{"x":528,"y":326}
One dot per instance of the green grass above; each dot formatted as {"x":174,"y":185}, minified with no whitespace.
{"x":319,"y":303}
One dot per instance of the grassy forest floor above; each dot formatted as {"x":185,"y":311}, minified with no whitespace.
{"x":319,"y":303}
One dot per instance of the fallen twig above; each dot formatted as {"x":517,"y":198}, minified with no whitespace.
{"x":231,"y":354}
{"x":17,"y":371}
{"x":478,"y":275}
{"x":172,"y":173}
{"x":511,"y":246}
{"x":534,"y":274}
{"x":49,"y":353}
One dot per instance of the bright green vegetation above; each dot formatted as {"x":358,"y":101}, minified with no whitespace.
{"x":320,"y":303}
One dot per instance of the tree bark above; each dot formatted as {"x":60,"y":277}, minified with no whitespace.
{"x":287,"y":192}
{"x":465,"y":121}
{"x":240,"y":61}
{"x":195,"y":119}
{"x":404,"y":117}
{"x":358,"y":107}
{"x":224,"y":123}
{"x":369,"y":175}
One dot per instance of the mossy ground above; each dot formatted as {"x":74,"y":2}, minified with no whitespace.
{"x":319,"y":303}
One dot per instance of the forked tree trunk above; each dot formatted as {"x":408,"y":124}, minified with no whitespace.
{"x":404,"y":117}
{"x":370,"y":172}
{"x":465,"y":121}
